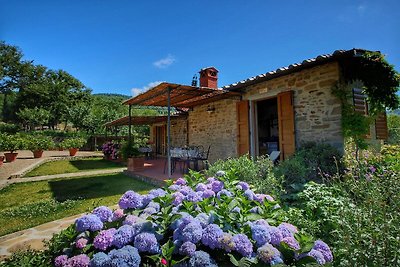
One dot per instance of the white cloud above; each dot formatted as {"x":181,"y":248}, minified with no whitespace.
{"x":136,"y":91}
{"x":164,"y":62}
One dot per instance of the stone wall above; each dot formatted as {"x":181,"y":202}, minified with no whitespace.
{"x":317,"y":111}
{"x":179,"y":132}
{"x":217,"y":128}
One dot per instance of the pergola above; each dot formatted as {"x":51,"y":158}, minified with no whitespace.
{"x":173,"y":95}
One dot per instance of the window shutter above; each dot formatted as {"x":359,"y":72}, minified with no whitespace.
{"x":381,"y":128}
{"x":360,"y":104}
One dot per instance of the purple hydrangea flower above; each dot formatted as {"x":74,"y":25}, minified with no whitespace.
{"x":61,"y":261}
{"x":126,"y":256}
{"x":81,"y":260}
{"x":104,"y":239}
{"x":100,"y":259}
{"x":157,"y":192}
{"x":210,"y":180}
{"x":260,"y":222}
{"x":123,"y":236}
{"x":255,"y":210}
{"x":130,"y":200}
{"x":317,"y":255}
{"x":174,"y":187}
{"x":217,"y":186}
{"x":81,"y":243}
{"x":185,"y":190}
{"x":269,"y":254}
{"x":131,"y":220}
{"x":243,"y":245}
{"x":276,"y":235}
{"x":104,"y":213}
{"x":201,"y":187}
{"x":180,"y":181}
{"x":204,"y":219}
{"x":192,"y":232}
{"x":211,"y":235}
{"x":201,"y":259}
{"x":269,"y":198}
{"x":243,"y":186}
{"x":88,"y":222}
{"x":178,"y":198}
{"x":183,"y":220}
{"x":117,"y":214}
{"x":208,"y":193}
{"x":142,"y":226}
{"x":194,"y":197}
{"x":260,"y":234}
{"x":154,"y":205}
{"x":148,"y":211}
{"x":147,"y":242}
{"x":260,"y":197}
{"x":322,"y":247}
{"x":287,"y":229}
{"x":187,"y":249}
{"x":226,"y":242}
{"x":224,"y":192}
{"x":249,"y":194}
{"x":291,"y":242}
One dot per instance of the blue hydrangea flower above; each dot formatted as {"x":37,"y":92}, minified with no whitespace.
{"x":236,"y":210}
{"x":269,"y":198}
{"x":217,"y":186}
{"x":123,"y":236}
{"x":187,"y":249}
{"x":104,"y":213}
{"x":276,"y":235}
{"x":159,"y":192}
{"x":317,"y":255}
{"x":260,"y":222}
{"x":243,"y":245}
{"x":226,"y":242}
{"x":204,"y":219}
{"x":322,"y":247}
{"x":287,"y":229}
{"x":81,"y":260}
{"x":178,"y":198}
{"x":211,"y":235}
{"x":208,"y":193}
{"x":174,"y":187}
{"x":100,"y":259}
{"x":180,"y":181}
{"x":243,"y":186}
{"x":192,"y":232}
{"x":255,"y":210}
{"x":88,"y":222}
{"x":201,"y":259}
{"x":260,"y":234}
{"x":154,"y":205}
{"x":249,"y":194}
{"x":104,"y":239}
{"x":210,"y":180}
{"x":177,"y":223}
{"x":201,"y":187}
{"x":131,"y":220}
{"x":194,"y":197}
{"x":147,"y":242}
{"x":185,"y":190}
{"x":269,"y":254}
{"x":61,"y":261}
{"x":126,"y":256}
{"x":130,"y":200}
{"x":259,"y":197}
{"x":220,"y":173}
{"x":224,"y":192}
{"x":142,"y":226}
{"x":291,"y":242}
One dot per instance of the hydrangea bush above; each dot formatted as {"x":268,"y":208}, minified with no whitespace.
{"x":196,"y":221}
{"x":111,"y":150}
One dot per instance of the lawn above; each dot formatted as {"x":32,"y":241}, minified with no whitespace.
{"x":26,"y":205}
{"x":70,"y":166}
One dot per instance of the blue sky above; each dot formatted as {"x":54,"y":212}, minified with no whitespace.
{"x":126,"y":46}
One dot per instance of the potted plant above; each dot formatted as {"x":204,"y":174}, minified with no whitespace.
{"x":39,"y":143}
{"x":73,"y":144}
{"x":134,"y":157}
{"x":12,"y":143}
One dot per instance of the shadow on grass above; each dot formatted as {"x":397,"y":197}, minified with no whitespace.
{"x":90,"y":164}
{"x":95,"y":187}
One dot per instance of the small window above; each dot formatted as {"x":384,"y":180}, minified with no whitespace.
{"x":360,"y":101}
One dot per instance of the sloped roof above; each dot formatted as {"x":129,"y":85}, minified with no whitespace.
{"x":307,"y":63}
{"x":142,"y":120}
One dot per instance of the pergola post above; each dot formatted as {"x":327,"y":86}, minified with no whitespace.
{"x":130,"y":124}
{"x":169,"y":132}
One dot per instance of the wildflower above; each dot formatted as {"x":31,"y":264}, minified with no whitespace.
{"x":117,"y":214}
{"x":126,"y":256}
{"x":130,"y":200}
{"x":211,"y":235}
{"x":260,"y":234}
{"x":104,"y":213}
{"x":88,"y":222}
{"x":61,"y":261}
{"x":100,"y":259}
{"x":187,"y":249}
{"x":104,"y":239}
{"x":201,"y":259}
{"x":269,"y":254}
{"x":147,"y":242}
{"x":81,"y":260}
{"x":322,"y":247}
{"x":123,"y":236}
{"x":291,"y":242}
{"x":317,"y":255}
{"x":242,"y":244}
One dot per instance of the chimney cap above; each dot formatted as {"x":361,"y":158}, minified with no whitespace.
{"x":207,"y":68}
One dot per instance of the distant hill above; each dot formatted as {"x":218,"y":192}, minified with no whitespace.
{"x":112,"y":95}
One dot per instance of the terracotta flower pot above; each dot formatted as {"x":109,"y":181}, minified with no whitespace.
{"x":10,"y":157}
{"x":72,"y":151}
{"x":1,"y":160}
{"x":136,"y":164}
{"x":37,"y":154}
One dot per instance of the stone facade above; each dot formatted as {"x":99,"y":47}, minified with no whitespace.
{"x":217,"y":128}
{"x":317,"y":111}
{"x":179,"y":132}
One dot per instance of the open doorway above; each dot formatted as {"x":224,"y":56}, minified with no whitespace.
{"x":267,"y":126}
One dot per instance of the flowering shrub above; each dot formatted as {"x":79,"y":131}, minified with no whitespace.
{"x":111,"y":150}
{"x":195,"y":221}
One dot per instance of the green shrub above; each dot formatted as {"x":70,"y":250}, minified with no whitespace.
{"x":13,"y":142}
{"x":258,"y":172}
{"x":40,"y":143}
{"x":130,"y":150}
{"x":72,"y":143}
{"x":9,"y":128}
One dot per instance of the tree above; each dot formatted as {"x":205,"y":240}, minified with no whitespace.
{"x":393,"y":121}
{"x":33,"y":117}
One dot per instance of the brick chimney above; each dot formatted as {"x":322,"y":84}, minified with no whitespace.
{"x":209,"y":77}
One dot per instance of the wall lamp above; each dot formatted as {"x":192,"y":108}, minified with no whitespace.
{"x":210,"y":109}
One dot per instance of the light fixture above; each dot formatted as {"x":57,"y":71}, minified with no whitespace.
{"x":210,"y":109}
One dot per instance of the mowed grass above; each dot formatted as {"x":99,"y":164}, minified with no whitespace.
{"x":26,"y":205}
{"x":70,"y":166}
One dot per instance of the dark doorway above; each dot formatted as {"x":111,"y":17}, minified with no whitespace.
{"x":267,"y":126}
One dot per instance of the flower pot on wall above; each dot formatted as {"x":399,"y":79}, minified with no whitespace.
{"x":37,"y":153}
{"x":136,"y":164}
{"x":10,"y":157}
{"x":72,"y":151}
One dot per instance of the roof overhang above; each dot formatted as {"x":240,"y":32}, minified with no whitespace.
{"x":141,"y":120}
{"x":181,"y":96}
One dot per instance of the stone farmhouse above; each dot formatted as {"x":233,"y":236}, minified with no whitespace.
{"x":278,"y":110}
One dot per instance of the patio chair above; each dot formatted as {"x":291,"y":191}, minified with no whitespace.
{"x":274,"y":156}
{"x":204,"y":157}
